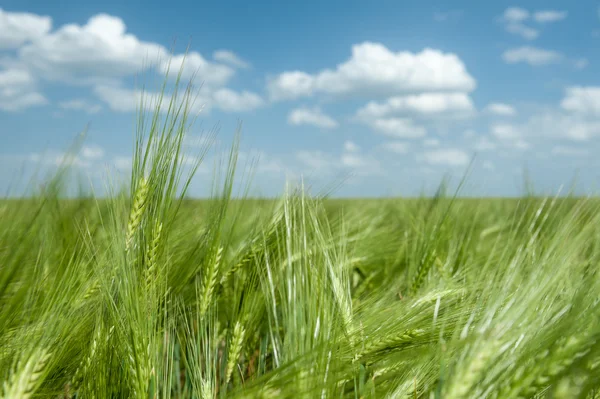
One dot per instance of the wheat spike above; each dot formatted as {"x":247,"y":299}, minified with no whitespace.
{"x":28,"y":377}
{"x":234,"y":350}
{"x":152,"y":253}
{"x":210,"y":281}
{"x":137,"y":211}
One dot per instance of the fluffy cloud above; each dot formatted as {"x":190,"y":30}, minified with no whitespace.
{"x":351,"y":159}
{"x":522,"y":30}
{"x":483,"y":143}
{"x":582,"y":100}
{"x":396,"y":116}
{"x":232,"y":101}
{"x":290,"y":85}
{"x":548,"y":16}
{"x":123,"y":100}
{"x":350,"y":146}
{"x":99,"y":49}
{"x":194,"y":65}
{"x":375,"y":70}
{"x":318,"y":160}
{"x":18,"y":28}
{"x":398,"y":147}
{"x":92,"y":152}
{"x":126,"y":100}
{"x":102,"y":51}
{"x":431,"y":143}
{"x":500,"y":109}
{"x":426,"y":104}
{"x":509,"y":135}
{"x":89,"y":156}
{"x":580,"y":63}
{"x":18,"y":91}
{"x":532,"y":56}
{"x":397,"y":127}
{"x":79,"y":104}
{"x":311,"y":116}
{"x":488,"y":165}
{"x":574,"y":127}
{"x":229,"y":57}
{"x":569,"y":151}
{"x":514,"y":18}
{"x":447,"y":156}
{"x":515,"y":14}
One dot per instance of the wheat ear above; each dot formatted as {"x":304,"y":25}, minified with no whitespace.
{"x":137,"y":211}
{"x":28,"y":377}
{"x":235,"y":349}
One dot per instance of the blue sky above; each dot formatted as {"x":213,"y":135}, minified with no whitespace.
{"x":389,"y":95}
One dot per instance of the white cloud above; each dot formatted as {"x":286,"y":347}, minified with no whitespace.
{"x":374,"y":69}
{"x":569,"y":151}
{"x":547,"y":16}
{"x":92,"y":153}
{"x":431,"y":143}
{"x":18,"y":28}
{"x":427,"y":104}
{"x":229,"y":57}
{"x":501,"y":109}
{"x":311,"y":116}
{"x":515,"y":14}
{"x":232,"y":101}
{"x":351,"y":159}
{"x":483,"y":143}
{"x":489,"y":165}
{"x":194,"y":65}
{"x":397,"y":127}
{"x":124,"y":100}
{"x":55,"y":158}
{"x":263,"y":163}
{"x":290,"y":85}
{"x":17,"y":91}
{"x":505,"y":132}
{"x":318,"y":160}
{"x":514,"y":18}
{"x":97,"y":50}
{"x":448,"y":157}
{"x":509,"y":135}
{"x":532,"y":56}
{"x":576,"y":127}
{"x":522,"y":30}
{"x":122,"y":163}
{"x":582,"y":100}
{"x":127,"y":100}
{"x":79,"y":104}
{"x":398,"y":147}
{"x":580,"y":63}
{"x":469,"y":134}
{"x":350,"y":146}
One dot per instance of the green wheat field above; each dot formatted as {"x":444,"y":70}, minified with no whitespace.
{"x":147,"y":294}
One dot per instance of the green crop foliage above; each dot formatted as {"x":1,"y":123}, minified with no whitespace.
{"x":145,"y":294}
